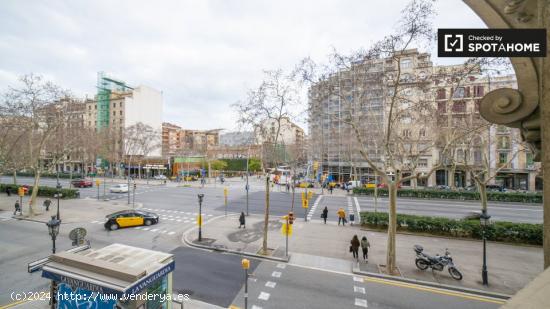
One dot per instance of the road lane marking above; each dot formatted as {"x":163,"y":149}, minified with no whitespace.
{"x":358,"y":289}
{"x":276,"y":274}
{"x":436,"y":290}
{"x":357,"y":204}
{"x":281,"y":265}
{"x":256,"y":307}
{"x":171,"y":233}
{"x":146,"y":228}
{"x":264,"y":296}
{"x":357,"y":279}
{"x":361,"y":302}
{"x":271,"y":284}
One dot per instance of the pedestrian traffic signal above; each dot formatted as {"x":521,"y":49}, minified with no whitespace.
{"x":309,"y":194}
{"x":21,"y":191}
{"x":290,"y":217}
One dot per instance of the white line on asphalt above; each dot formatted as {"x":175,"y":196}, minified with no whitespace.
{"x":186,"y":221}
{"x":361,"y":302}
{"x":281,"y":265}
{"x":171,"y":233}
{"x":357,"y":279}
{"x":138,"y":227}
{"x":263,"y":296}
{"x":358,"y":289}
{"x":357,"y":205}
{"x":178,"y":220}
{"x":276,"y":274}
{"x":256,"y":307}
{"x":154,"y":230}
{"x":271,"y":284}
{"x":146,"y":228}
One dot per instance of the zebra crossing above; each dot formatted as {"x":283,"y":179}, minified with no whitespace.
{"x":169,"y":221}
{"x":314,"y":207}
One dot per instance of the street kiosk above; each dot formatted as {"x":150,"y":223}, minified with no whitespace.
{"x":116,"y":276}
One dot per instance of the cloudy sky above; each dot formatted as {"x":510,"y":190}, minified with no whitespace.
{"x":202,"y":54}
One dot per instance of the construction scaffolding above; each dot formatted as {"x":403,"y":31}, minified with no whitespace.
{"x":105,"y":87}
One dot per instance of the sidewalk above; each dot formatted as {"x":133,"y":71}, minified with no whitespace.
{"x":314,"y":244}
{"x":189,"y":304}
{"x":71,"y":210}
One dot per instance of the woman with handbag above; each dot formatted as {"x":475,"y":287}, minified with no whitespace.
{"x":325,"y":214}
{"x":355,"y":247}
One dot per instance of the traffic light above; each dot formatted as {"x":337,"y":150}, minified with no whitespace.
{"x":135,"y":186}
{"x":290,"y":217}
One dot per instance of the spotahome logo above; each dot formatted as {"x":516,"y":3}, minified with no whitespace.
{"x":491,"y":42}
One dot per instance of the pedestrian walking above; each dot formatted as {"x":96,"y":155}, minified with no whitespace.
{"x":341,"y":216}
{"x":354,"y":247}
{"x":330,"y":188}
{"x":47,"y":204}
{"x":325,"y":214}
{"x":365,"y":246}
{"x":242,"y":220}
{"x":287,"y":187}
{"x":351,"y":219}
{"x":17,"y":208}
{"x":8,"y":191}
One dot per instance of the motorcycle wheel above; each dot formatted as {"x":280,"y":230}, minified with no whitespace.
{"x":455,"y":273}
{"x":421,"y":264}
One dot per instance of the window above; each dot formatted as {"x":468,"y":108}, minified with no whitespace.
{"x":120,"y":113}
{"x":459,"y":107}
{"x":441,"y":94}
{"x":478,"y":91}
{"x":460,"y":155}
{"x":502,"y":157}
{"x":406,"y":63}
{"x":114,"y":113}
{"x":405,"y":77}
{"x":442,"y":107}
{"x":422,"y":133}
{"x":407,"y":133}
{"x":477,"y":156}
{"x":503,"y":142}
{"x":422,"y":162}
{"x":89,"y":107}
{"x":408,"y":92}
{"x":529,"y":159}
{"x":459,"y":93}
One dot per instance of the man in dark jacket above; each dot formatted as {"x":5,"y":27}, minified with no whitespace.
{"x":242,"y":220}
{"x":325,"y":214}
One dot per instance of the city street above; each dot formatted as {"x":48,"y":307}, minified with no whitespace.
{"x":214,"y":277}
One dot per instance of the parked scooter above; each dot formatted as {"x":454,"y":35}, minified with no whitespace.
{"x":437,"y":262}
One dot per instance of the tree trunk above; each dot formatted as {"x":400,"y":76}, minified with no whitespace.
{"x":15,"y":176}
{"x":392,"y":228}
{"x":34,"y":193}
{"x":266,"y":217}
{"x":483,"y":196}
{"x":451,"y":176}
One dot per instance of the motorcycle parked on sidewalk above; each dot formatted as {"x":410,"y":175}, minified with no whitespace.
{"x":437,"y":262}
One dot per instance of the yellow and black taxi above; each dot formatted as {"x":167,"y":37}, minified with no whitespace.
{"x":129,"y":218}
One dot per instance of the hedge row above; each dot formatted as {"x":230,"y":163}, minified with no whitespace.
{"x":524,"y":233}
{"x":42,"y":191}
{"x":458,"y":195}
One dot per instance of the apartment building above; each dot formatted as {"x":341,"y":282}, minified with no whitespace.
{"x":177,"y":141}
{"x":449,"y":98}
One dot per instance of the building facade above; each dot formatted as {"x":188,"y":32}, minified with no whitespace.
{"x":177,"y":141}
{"x":436,"y":105}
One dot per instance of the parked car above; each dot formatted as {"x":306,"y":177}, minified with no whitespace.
{"x":119,"y":188}
{"x":160,"y":177}
{"x":82,"y":183}
{"x":129,"y":218}
{"x":304,"y":184}
{"x":442,"y":187}
{"x":353,"y":184}
{"x":495,"y":188}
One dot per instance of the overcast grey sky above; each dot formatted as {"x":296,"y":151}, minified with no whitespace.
{"x":202,"y":54}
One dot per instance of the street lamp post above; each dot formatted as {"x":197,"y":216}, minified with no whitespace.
{"x":484,"y":221}
{"x":247,"y":162}
{"x":53,"y":229}
{"x":58,"y":195}
{"x":246,"y":265}
{"x":201,"y":196}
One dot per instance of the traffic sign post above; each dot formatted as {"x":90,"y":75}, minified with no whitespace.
{"x":225,"y":193}
{"x":134,"y":197}
{"x":97,"y":183}
{"x":305,"y":204}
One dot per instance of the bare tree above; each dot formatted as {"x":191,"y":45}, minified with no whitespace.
{"x":38,"y":116}
{"x":269,"y":104}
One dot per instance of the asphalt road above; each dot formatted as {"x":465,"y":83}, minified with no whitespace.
{"x":211,"y":276}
